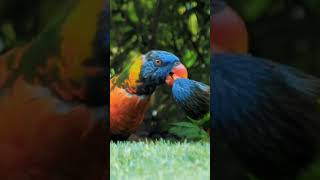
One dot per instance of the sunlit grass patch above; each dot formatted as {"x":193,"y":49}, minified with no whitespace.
{"x":160,"y":160}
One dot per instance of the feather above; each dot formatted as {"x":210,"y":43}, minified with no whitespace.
{"x":265,"y":112}
{"x":126,"y":110}
{"x":42,"y":137}
{"x":192,"y":96}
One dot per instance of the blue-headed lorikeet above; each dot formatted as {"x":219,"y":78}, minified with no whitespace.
{"x":53,"y":98}
{"x":130,"y":91}
{"x":265,"y":115}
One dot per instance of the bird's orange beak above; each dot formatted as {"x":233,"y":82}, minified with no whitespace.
{"x":178,"y":71}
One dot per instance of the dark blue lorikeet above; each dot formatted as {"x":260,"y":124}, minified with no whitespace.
{"x":266,"y":114}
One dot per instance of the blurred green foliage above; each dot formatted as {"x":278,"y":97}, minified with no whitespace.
{"x":180,"y":27}
{"x":286,"y":31}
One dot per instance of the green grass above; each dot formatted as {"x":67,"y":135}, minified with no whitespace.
{"x":160,"y":160}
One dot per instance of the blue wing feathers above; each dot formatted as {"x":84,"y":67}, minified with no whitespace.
{"x":266,"y":112}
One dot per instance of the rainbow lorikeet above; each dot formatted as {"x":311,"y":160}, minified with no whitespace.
{"x":53,"y":99}
{"x":130,"y":91}
{"x":265,"y":115}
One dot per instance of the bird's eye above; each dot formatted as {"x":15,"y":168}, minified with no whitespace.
{"x":158,"y":62}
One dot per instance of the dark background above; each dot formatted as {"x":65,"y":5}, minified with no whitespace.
{"x":286,"y":31}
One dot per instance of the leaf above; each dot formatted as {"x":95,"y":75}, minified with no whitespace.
{"x":188,"y":130}
{"x":132,"y":12}
{"x":112,"y":72}
{"x":9,"y":34}
{"x":193,"y":24}
{"x":185,"y":124}
{"x":181,"y":10}
{"x":201,"y":122}
{"x":148,"y":4}
{"x":189,"y":58}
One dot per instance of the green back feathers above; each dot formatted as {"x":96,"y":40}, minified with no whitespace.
{"x":130,"y":74}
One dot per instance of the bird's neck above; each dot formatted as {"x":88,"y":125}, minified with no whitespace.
{"x":134,"y":85}
{"x":141,"y":89}
{"x":130,"y":80}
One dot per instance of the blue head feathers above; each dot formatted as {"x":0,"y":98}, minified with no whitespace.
{"x":156,"y":68}
{"x":192,"y":96}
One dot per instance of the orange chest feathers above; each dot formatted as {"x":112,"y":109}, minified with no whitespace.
{"x":126,"y":110}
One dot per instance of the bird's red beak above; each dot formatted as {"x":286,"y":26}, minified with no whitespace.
{"x":178,"y":71}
